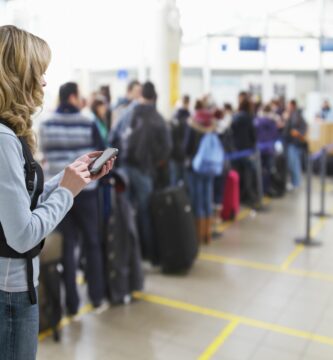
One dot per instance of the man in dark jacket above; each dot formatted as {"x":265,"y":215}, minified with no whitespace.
{"x":147,"y":149}
{"x":244,"y":138}
{"x":178,"y":130}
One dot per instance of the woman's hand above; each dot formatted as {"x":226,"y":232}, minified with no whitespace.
{"x":76,"y":177}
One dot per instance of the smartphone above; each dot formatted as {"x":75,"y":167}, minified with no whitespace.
{"x":96,"y":166}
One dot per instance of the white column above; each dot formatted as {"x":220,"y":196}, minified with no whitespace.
{"x":165,"y":64}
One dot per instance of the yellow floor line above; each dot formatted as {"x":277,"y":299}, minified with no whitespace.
{"x":239,"y":262}
{"x":266,"y":267}
{"x":291,"y":258}
{"x":180,"y":305}
{"x":66,"y":321}
{"x":219,"y":341}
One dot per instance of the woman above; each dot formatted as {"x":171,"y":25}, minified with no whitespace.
{"x":99,"y":108}
{"x":24,"y":59}
{"x":200,"y":186}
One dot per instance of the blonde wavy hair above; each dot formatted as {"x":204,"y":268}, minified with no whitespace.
{"x":24,"y":59}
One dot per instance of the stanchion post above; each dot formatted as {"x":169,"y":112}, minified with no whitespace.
{"x":260,"y":186}
{"x":323,"y":173}
{"x":307,"y":240}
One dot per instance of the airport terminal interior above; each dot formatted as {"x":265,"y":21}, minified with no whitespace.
{"x":211,"y":238}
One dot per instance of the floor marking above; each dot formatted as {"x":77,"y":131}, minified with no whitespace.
{"x":86,"y":309}
{"x":243,"y":214}
{"x":180,"y":305}
{"x":290,"y":259}
{"x":239,"y":262}
{"x":266,"y":267}
{"x":219,"y":341}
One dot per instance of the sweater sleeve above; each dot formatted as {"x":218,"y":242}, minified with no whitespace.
{"x":50,"y":186}
{"x":24,"y":228}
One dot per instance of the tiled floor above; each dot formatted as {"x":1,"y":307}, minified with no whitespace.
{"x":278,"y":313}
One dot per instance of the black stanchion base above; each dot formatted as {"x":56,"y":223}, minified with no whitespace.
{"x":323,"y":215}
{"x":307,"y":241}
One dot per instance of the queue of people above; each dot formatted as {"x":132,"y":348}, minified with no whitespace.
{"x":154,"y":154}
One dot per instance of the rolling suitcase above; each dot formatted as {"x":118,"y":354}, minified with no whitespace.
{"x":231,"y":199}
{"x":174,"y":229}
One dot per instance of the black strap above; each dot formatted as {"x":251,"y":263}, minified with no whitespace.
{"x":29,"y":166}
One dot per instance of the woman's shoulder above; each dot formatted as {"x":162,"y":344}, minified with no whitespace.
{"x":9,"y":141}
{"x":8,"y":135}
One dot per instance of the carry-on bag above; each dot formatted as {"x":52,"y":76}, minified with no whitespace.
{"x":231,"y":198}
{"x":174,"y":229}
{"x":124,"y":273}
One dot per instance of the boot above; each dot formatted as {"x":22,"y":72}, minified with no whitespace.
{"x":200,"y":227}
{"x":208,"y":230}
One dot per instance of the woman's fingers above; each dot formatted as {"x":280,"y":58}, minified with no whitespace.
{"x":94,"y":154}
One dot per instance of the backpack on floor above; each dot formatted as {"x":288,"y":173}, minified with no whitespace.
{"x":49,"y":290}
{"x":210,"y":156}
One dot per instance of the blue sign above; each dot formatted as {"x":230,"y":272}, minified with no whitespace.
{"x":122,"y":74}
{"x":326,"y":44}
{"x":248,"y":43}
{"x":224,"y":47}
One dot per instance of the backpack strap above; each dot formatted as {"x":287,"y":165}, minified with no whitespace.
{"x":31,"y":169}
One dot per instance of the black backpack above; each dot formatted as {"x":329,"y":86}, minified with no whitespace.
{"x":32,"y":169}
{"x":147,"y":143}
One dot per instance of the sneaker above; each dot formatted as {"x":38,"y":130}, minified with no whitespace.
{"x":100,"y":308}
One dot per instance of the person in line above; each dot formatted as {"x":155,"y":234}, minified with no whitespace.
{"x":200,"y":185}
{"x":133,"y":92}
{"x":178,"y":131}
{"x":105,"y":91}
{"x":267,"y":133}
{"x":147,"y":150}
{"x":23,"y":63}
{"x":99,"y":108}
{"x":66,"y":135}
{"x":119,"y":130}
{"x":326,"y":112}
{"x":244,"y":138}
{"x":294,"y":134}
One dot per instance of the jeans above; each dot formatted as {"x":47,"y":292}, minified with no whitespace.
{"x":177,"y":173}
{"x":295,"y":164}
{"x":83,"y":220}
{"x":141,"y":189}
{"x":201,"y":192}
{"x":19,"y":324}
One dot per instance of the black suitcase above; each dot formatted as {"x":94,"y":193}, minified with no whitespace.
{"x":174,"y":229}
{"x":279,"y":176}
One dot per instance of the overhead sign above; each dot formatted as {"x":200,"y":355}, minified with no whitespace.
{"x":122,"y":74}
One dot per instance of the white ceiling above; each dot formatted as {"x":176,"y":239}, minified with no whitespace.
{"x":283,"y":18}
